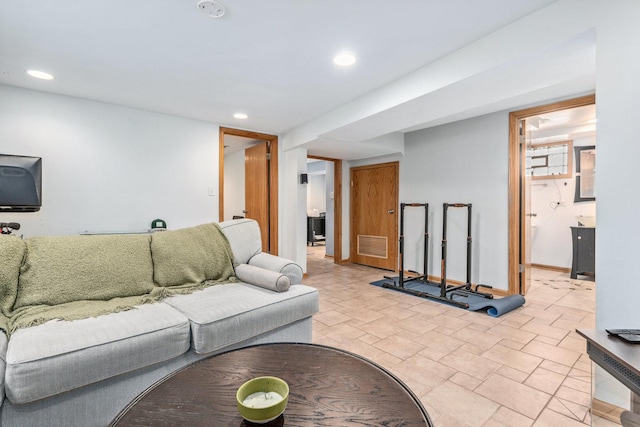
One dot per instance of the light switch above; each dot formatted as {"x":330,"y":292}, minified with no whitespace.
{"x":212,"y":191}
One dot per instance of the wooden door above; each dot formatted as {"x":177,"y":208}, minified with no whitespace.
{"x":256,"y":182}
{"x":374,"y":215}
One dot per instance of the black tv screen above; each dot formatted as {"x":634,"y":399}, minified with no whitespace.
{"x":20,"y":183}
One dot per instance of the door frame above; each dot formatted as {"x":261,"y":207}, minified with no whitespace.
{"x":517,"y":191}
{"x":337,"y":207}
{"x":273,"y":179}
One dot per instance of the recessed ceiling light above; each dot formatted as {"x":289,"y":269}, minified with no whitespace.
{"x":344,"y":59}
{"x":240,"y":116}
{"x":40,"y":74}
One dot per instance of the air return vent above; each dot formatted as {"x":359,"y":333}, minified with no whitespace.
{"x":374,"y":246}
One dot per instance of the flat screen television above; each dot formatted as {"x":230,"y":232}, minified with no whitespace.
{"x":20,"y":183}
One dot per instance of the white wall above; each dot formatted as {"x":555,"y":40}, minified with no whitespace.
{"x":461,"y":162}
{"x":233,"y":184}
{"x":292,"y":205}
{"x":109,"y":168}
{"x":551,"y":243}
{"x":330,"y":204}
{"x":316,"y":188}
{"x":617,"y":106}
{"x":618,"y":103}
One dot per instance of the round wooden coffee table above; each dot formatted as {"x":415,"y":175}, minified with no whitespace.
{"x":328,"y":387}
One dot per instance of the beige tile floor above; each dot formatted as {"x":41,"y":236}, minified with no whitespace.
{"x":524,"y":368}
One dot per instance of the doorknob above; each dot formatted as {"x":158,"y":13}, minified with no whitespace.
{"x":390,"y":211}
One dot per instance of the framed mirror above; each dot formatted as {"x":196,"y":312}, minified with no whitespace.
{"x":585,"y":174}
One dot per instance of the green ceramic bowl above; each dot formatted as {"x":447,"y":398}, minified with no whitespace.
{"x":258,"y":408}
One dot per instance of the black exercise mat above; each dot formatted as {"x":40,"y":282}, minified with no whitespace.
{"x":494,"y":306}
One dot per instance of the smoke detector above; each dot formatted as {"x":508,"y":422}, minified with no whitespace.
{"x":211,"y":8}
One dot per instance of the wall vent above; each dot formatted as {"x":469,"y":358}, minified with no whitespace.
{"x":373,"y":246}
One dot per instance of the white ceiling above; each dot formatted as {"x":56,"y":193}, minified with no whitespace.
{"x":574,"y":123}
{"x":273,"y":60}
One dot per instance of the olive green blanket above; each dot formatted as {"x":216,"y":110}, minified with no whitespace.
{"x":75,"y":277}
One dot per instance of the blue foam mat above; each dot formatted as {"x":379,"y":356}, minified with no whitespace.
{"x":495,"y":306}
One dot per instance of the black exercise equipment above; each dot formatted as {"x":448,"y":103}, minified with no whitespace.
{"x":447,"y":292}
{"x":401,"y":279}
{"x":466,"y":287}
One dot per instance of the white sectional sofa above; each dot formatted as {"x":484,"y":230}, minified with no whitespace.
{"x":92,"y":321}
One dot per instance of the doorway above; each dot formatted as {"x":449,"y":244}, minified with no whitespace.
{"x":333,"y":194}
{"x":260,"y":180}
{"x":520,"y":185}
{"x":374,"y":217}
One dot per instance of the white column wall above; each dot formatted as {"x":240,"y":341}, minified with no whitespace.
{"x":618,"y":205}
{"x":617,"y":236}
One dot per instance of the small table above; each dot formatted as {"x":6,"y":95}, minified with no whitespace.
{"x":328,"y":387}
{"x":620,"y":359}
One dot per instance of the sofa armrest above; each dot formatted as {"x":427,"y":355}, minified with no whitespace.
{"x":278,"y":264}
{"x":262,"y":277}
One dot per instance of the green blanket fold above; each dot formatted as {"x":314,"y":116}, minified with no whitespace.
{"x":184,"y":260}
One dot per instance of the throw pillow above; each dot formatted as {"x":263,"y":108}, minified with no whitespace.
{"x":191,"y":256}
{"x":264,"y":278}
{"x":61,"y":269}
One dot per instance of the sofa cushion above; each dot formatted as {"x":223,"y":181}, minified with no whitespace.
{"x":60,"y":355}
{"x":227,"y":314}
{"x":244,"y":238}
{"x":264,"y":278}
{"x":12,"y":251}
{"x":63,"y":269}
{"x":191,"y":256}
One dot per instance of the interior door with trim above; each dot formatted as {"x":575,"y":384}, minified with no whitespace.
{"x":374,"y":215}
{"x":256,"y":205}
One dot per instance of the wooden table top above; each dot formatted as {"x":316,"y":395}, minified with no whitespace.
{"x":328,"y":387}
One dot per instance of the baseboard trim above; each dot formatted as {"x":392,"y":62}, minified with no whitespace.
{"x":552,"y":268}
{"x":606,"y":410}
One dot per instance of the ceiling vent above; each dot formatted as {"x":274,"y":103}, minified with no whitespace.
{"x":211,"y":8}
